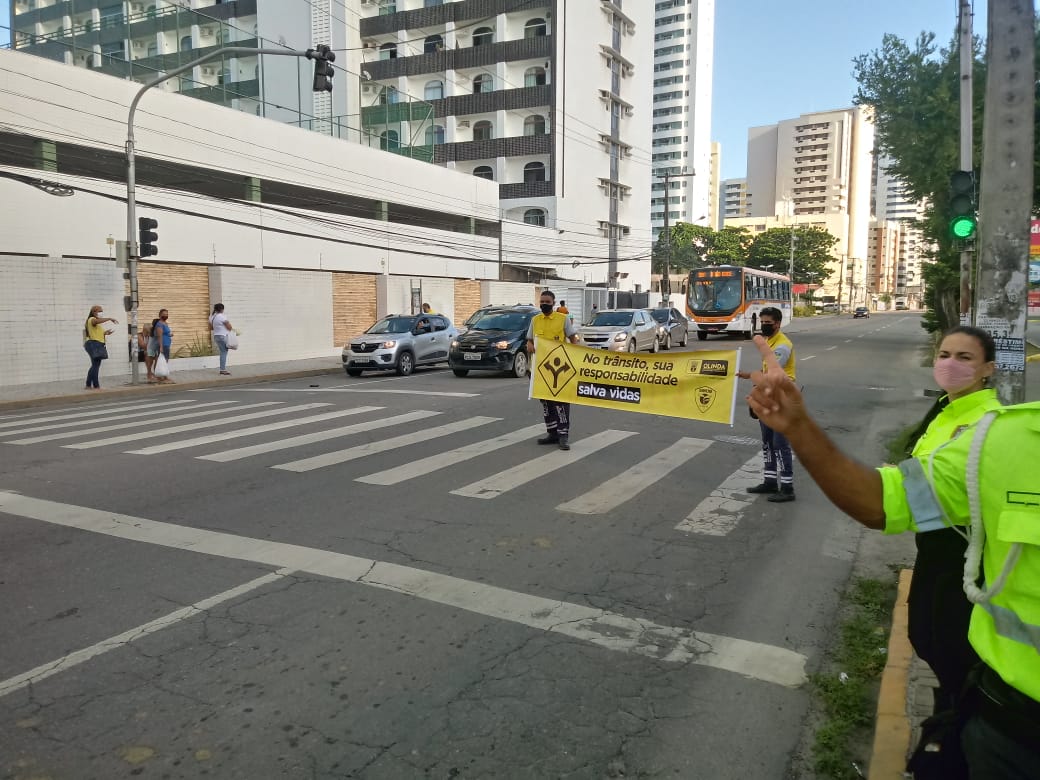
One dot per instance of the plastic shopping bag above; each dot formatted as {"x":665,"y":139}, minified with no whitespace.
{"x":231,"y":339}
{"x":162,"y":367}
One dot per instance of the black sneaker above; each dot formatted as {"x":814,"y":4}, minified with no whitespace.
{"x":765,"y":487}
{"x":785,"y":494}
{"x":550,"y":438}
{"x":564,"y":443}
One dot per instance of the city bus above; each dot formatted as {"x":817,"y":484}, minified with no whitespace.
{"x":728,"y":298}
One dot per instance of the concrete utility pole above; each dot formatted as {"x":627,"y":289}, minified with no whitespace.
{"x":131,"y":170}
{"x":1006,"y":196}
{"x":666,"y":282}
{"x":967,"y":61}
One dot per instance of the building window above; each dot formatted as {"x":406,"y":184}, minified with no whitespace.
{"x":534,"y":125}
{"x":534,"y":171}
{"x":153,"y":49}
{"x":432,"y":3}
{"x":186,"y":43}
{"x":389,"y":141}
{"x":434,"y":135}
{"x":535,"y":28}
{"x":111,"y":15}
{"x":483,"y":83}
{"x":534,"y":77}
{"x":535,"y":217}
{"x":433,"y":43}
{"x":113,"y":51}
{"x":483,"y":36}
{"x":388,"y":51}
{"x":484,"y":172}
{"x":483,"y":131}
{"x":434,"y":90}
{"x":389,"y":96}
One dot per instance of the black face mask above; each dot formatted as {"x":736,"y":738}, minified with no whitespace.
{"x":546,"y":308}
{"x":768,"y":330}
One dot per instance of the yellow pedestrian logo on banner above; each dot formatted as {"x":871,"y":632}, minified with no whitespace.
{"x":693,"y":385}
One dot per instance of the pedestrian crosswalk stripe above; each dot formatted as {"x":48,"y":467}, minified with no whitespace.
{"x":719,"y":513}
{"x":31,"y":419}
{"x":636,"y":478}
{"x":408,"y":439}
{"x":503,"y":481}
{"x":313,"y":438}
{"x":139,"y":423}
{"x":117,"y":418}
{"x":151,"y":433}
{"x":237,"y":434}
{"x":450,"y":458}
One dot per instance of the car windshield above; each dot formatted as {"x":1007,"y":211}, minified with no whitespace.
{"x":510,"y":320}
{"x":661,"y":315}
{"x":612,"y":319}
{"x":393,"y":325}
{"x":475,"y":316}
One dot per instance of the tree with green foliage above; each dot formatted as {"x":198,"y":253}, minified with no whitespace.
{"x":813,"y":251}
{"x":695,"y":246}
{"x":914,"y":91}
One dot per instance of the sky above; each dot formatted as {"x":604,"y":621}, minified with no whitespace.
{"x":774,"y":61}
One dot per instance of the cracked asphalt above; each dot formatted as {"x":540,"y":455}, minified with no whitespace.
{"x":385,"y":675}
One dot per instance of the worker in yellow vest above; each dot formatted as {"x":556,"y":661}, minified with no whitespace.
{"x":984,"y":479}
{"x":553,"y":326}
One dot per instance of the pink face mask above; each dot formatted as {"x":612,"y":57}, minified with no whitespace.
{"x":953,"y":375}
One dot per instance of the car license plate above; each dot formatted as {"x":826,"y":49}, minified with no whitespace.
{"x":362,"y":360}
{"x":472,"y":356}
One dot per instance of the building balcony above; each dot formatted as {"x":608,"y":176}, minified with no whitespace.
{"x":458,"y":105}
{"x":516,"y":146}
{"x":460,"y":59}
{"x":439,"y":15}
{"x":395,"y":113}
{"x":223,"y":93}
{"x":526,"y":189}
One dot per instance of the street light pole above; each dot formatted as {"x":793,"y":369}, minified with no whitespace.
{"x":666,"y":282}
{"x":131,"y":176}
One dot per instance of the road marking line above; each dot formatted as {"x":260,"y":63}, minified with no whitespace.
{"x":828,"y":349}
{"x":808,"y":357}
{"x":151,"y":433}
{"x":848,"y":341}
{"x":450,"y":458}
{"x":139,"y":423}
{"x":313,"y":438}
{"x":719,"y":513}
{"x":200,"y":440}
{"x":503,"y":481}
{"x":29,"y":419}
{"x":609,"y":630}
{"x":371,"y":448}
{"x":43,"y":671}
{"x":342,"y":389}
{"x":122,"y":416}
{"x":638,"y":477}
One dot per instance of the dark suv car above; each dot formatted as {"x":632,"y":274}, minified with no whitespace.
{"x":861,"y":311}
{"x":497,"y":341}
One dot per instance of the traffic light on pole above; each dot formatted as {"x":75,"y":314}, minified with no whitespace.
{"x":323,"y":58}
{"x":146,"y":236}
{"x":963,"y":220}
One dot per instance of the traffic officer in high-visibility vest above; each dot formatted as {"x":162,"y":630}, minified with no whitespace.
{"x":986,"y":480}
{"x":553,"y":326}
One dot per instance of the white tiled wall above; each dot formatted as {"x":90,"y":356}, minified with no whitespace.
{"x":44,"y":302}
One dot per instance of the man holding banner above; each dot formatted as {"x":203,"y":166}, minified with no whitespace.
{"x":553,"y":326}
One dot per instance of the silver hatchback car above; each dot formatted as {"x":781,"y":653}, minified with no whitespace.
{"x":621,"y":330}
{"x":400,"y":342}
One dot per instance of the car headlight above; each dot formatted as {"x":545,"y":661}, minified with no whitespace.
{"x":621,"y":337}
{"x":501,"y":345}
{"x":389,"y":344}
{"x":455,"y":344}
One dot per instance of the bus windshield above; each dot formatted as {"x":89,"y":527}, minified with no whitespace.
{"x":715,"y":296}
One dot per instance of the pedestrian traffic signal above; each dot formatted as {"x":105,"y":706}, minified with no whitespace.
{"x":323,"y":58}
{"x":146,"y":236}
{"x":963,"y":220}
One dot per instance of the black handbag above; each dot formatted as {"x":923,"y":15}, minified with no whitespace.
{"x":96,"y":350}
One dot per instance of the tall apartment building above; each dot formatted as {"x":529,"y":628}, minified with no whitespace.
{"x":883,"y":259}
{"x":892,"y":204}
{"x":684,"y":41}
{"x":735,"y":202}
{"x":546,"y":98}
{"x":715,"y":187}
{"x":138,"y":39}
{"x":817,"y":169}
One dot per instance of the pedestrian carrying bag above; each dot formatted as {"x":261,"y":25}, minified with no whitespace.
{"x":96,"y":350}
{"x":231,"y":340}
{"x":162,"y":367}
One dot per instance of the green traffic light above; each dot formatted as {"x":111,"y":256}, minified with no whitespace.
{"x":963,"y":228}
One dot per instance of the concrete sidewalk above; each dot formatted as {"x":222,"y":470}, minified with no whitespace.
{"x":71,"y":391}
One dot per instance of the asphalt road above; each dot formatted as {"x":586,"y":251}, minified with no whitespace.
{"x":380,"y":578}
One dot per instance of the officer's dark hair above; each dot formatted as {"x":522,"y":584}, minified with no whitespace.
{"x":989,"y":346}
{"x":772,"y":311}
{"x":550,"y":293}
{"x":218,"y":308}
